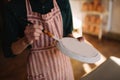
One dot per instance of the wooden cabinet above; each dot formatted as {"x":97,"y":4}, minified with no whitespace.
{"x":93,"y":14}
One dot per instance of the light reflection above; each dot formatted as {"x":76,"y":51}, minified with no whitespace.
{"x":77,"y":25}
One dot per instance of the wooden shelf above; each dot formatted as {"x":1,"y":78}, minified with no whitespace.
{"x":93,"y":17}
{"x":95,"y":13}
{"x":91,"y":24}
{"x":91,"y":33}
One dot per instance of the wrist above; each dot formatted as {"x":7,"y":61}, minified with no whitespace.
{"x":26,"y":41}
{"x":19,"y":46}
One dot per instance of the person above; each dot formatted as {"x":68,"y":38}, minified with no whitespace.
{"x":24,"y":22}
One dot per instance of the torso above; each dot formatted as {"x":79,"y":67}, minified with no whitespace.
{"x":45,"y":61}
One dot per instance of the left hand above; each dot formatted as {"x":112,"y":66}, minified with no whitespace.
{"x":79,"y":38}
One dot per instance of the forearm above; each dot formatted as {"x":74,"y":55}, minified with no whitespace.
{"x":19,"y":46}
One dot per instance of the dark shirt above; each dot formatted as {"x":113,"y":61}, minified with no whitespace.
{"x":15,"y":19}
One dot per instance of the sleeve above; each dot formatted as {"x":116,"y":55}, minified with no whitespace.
{"x":67,"y":17}
{"x":10,"y":32}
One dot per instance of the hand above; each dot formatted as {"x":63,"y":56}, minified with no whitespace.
{"x":81,"y":38}
{"x":32,"y":32}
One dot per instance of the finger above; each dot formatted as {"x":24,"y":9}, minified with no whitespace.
{"x":80,"y":38}
{"x":36,"y":34}
{"x":38,"y":26}
{"x":41,"y":27}
{"x":36,"y":38}
{"x":38,"y":31}
{"x":32,"y":31}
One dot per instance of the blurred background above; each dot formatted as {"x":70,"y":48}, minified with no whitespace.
{"x":95,"y":20}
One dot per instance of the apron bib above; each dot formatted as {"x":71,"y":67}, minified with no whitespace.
{"x":45,"y":61}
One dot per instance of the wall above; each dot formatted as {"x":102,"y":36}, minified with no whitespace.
{"x":77,"y":18}
{"x":115,"y":26}
{"x":75,"y":6}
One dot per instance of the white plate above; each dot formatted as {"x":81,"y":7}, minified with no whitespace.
{"x":79,"y":50}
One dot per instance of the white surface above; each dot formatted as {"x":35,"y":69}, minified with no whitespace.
{"x":109,"y":70}
{"x":115,"y":59}
{"x":81,"y":51}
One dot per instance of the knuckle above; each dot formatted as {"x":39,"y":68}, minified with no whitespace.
{"x":34,"y":34}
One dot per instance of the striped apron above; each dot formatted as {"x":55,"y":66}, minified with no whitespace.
{"x":45,"y":61}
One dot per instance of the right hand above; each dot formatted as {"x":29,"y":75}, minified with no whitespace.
{"x":32,"y":32}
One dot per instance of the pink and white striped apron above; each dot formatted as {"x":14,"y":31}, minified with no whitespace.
{"x":45,"y":61}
